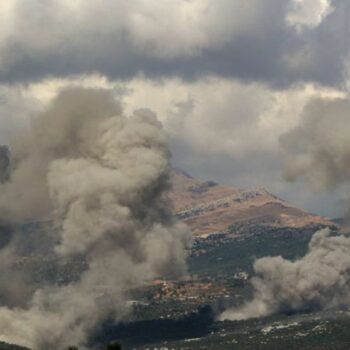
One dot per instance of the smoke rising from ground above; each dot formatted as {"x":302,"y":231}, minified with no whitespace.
{"x":319,"y":280}
{"x":99,"y":178}
{"x":319,"y":151}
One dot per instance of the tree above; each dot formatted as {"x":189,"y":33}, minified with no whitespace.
{"x":114,"y":346}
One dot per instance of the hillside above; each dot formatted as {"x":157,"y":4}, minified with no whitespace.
{"x":208,"y":207}
{"x":5,"y":346}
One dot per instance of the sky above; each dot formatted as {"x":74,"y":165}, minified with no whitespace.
{"x":231,"y":80}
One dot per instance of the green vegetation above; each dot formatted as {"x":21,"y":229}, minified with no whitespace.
{"x":114,"y":346}
{"x":223,"y":257}
{"x":189,"y":323}
{"x":110,"y":346}
{"x":299,"y":332}
{"x":5,"y":346}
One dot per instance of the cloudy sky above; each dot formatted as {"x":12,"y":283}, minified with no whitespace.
{"x":231,"y":80}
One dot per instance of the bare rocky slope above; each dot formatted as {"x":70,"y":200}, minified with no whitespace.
{"x":208,"y":207}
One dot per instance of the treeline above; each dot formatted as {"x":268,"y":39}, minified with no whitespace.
{"x":111,"y":346}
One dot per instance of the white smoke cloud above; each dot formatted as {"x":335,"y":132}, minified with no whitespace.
{"x":316,"y":281}
{"x":99,"y":177}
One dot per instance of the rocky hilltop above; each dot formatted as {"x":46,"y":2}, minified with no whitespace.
{"x":208,"y":207}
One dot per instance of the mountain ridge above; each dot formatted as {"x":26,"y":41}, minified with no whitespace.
{"x":208,"y":207}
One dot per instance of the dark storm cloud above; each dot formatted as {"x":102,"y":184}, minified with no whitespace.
{"x":258,"y":47}
{"x":252,"y":56}
{"x":325,"y":48}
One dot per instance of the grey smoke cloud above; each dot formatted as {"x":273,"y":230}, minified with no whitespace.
{"x":99,"y":178}
{"x":316,"y":281}
{"x":318,"y":150}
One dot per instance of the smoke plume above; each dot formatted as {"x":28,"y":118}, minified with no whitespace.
{"x":319,"y":151}
{"x":319,"y":280}
{"x":97,"y":178}
{"x":319,"y":148}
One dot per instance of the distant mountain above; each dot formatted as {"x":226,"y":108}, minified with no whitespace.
{"x":208,"y":207}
